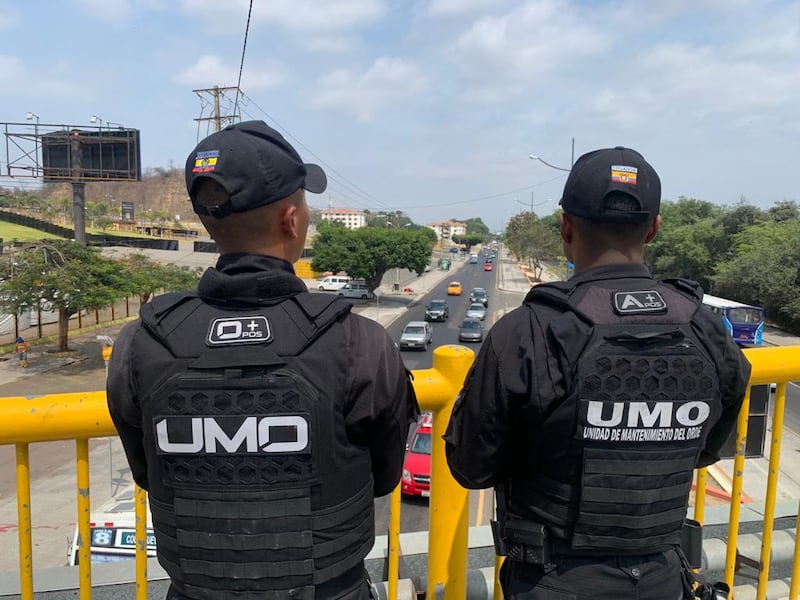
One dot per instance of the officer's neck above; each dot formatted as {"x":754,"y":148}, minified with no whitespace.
{"x":610,"y":256}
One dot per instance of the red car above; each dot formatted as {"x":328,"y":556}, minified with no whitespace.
{"x":487,"y":267}
{"x":416,"y":480}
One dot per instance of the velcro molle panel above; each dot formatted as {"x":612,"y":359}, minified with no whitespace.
{"x":251,"y":431}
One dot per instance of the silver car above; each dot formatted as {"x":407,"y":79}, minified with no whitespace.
{"x":476,"y":310}
{"x":471,"y":331}
{"x":416,"y":335}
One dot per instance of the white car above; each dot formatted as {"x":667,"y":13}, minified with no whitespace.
{"x":332,"y":283}
{"x":356,"y":289}
{"x":476,"y":310}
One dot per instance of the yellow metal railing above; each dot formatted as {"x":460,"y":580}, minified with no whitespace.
{"x":81,"y":416}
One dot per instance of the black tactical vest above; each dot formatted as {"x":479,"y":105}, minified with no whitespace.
{"x":616,"y":455}
{"x":255,"y":490}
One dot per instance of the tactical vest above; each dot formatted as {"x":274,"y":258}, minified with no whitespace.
{"x":255,"y":490}
{"x":616,"y":455}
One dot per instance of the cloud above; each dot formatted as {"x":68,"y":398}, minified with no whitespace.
{"x":498,"y":57}
{"x":110,"y":11}
{"x":300,"y":16}
{"x":387,"y":82}
{"x":210,"y":69}
{"x":459,"y":8}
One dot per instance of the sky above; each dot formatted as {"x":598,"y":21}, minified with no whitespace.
{"x":431,"y":107}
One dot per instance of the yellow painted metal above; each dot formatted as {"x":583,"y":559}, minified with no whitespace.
{"x":394,"y":543}
{"x":436,"y":390}
{"x":84,"y":515}
{"x":736,"y":491}
{"x":773,"y":365}
{"x":794,"y":587}
{"x":498,"y":589}
{"x":25,"y":526}
{"x":700,"y":495}
{"x":55,"y":417}
{"x":772,"y":489}
{"x":140,"y":510}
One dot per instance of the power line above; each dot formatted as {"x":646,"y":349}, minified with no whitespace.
{"x":492,"y":196}
{"x":241,"y":64}
{"x":330,"y":169}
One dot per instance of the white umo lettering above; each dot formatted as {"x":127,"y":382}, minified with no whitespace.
{"x":253,"y":435}
{"x":639,"y":414}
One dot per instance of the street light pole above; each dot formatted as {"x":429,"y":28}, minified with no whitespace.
{"x":547,"y":164}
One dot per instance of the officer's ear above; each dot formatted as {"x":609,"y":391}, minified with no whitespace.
{"x":565,"y":228}
{"x":652,"y":232}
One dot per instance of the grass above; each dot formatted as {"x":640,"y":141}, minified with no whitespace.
{"x":12,"y":231}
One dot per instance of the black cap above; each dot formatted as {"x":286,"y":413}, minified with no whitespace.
{"x":596,"y":177}
{"x":255,"y":165}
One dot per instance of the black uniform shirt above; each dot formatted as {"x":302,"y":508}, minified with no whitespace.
{"x":506,"y":392}
{"x":379,"y":400}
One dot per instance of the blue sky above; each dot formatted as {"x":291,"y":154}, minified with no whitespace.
{"x":434,"y":106}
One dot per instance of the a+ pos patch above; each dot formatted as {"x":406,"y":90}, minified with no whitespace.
{"x":638,"y":302}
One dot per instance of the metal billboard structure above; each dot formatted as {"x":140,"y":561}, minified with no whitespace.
{"x":71,"y":154}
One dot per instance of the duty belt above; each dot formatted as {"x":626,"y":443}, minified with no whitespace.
{"x":530,"y":542}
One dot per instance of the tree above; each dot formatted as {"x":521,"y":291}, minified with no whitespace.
{"x":477,"y":226}
{"x":59,"y":275}
{"x":764,"y":270}
{"x":145,"y":276}
{"x":533,"y":239}
{"x":368,"y":253}
{"x":469,"y":240}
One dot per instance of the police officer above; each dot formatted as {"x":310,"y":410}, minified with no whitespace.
{"x":262,"y":419}
{"x":588,"y":408}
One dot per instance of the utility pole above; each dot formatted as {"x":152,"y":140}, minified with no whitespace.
{"x":216,"y":93}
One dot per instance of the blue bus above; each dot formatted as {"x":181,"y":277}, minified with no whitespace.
{"x":745,"y":322}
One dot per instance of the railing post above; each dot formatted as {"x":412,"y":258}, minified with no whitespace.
{"x":84,"y":515}
{"x":437,"y":389}
{"x":25,"y":527}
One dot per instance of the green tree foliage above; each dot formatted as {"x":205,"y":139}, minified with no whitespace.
{"x":476,"y":226}
{"x":690,"y":242}
{"x":145,"y":276}
{"x":368,"y":253}
{"x":59,"y":275}
{"x":765,"y":270}
{"x":784,"y":211}
{"x":533,"y":240}
{"x":469,"y":240}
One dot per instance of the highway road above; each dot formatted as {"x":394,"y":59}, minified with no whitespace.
{"x":414,"y":512}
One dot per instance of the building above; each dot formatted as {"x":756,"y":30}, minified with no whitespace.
{"x":349,"y":217}
{"x":447,"y":229}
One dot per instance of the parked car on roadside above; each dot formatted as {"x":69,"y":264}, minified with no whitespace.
{"x":471,"y":331}
{"x":356,"y":289}
{"x":332,"y":283}
{"x":416,"y":335}
{"x":437,"y":310}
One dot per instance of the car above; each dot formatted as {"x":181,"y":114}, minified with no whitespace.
{"x":473,"y":260}
{"x":437,"y":310}
{"x":479,"y":295}
{"x":454,"y":288}
{"x":487,"y":267}
{"x":416,"y":335}
{"x":471,"y":330}
{"x":416,"y":479}
{"x":454,"y":250}
{"x":356,"y":289}
{"x":476,"y":310}
{"x":332,"y":283}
